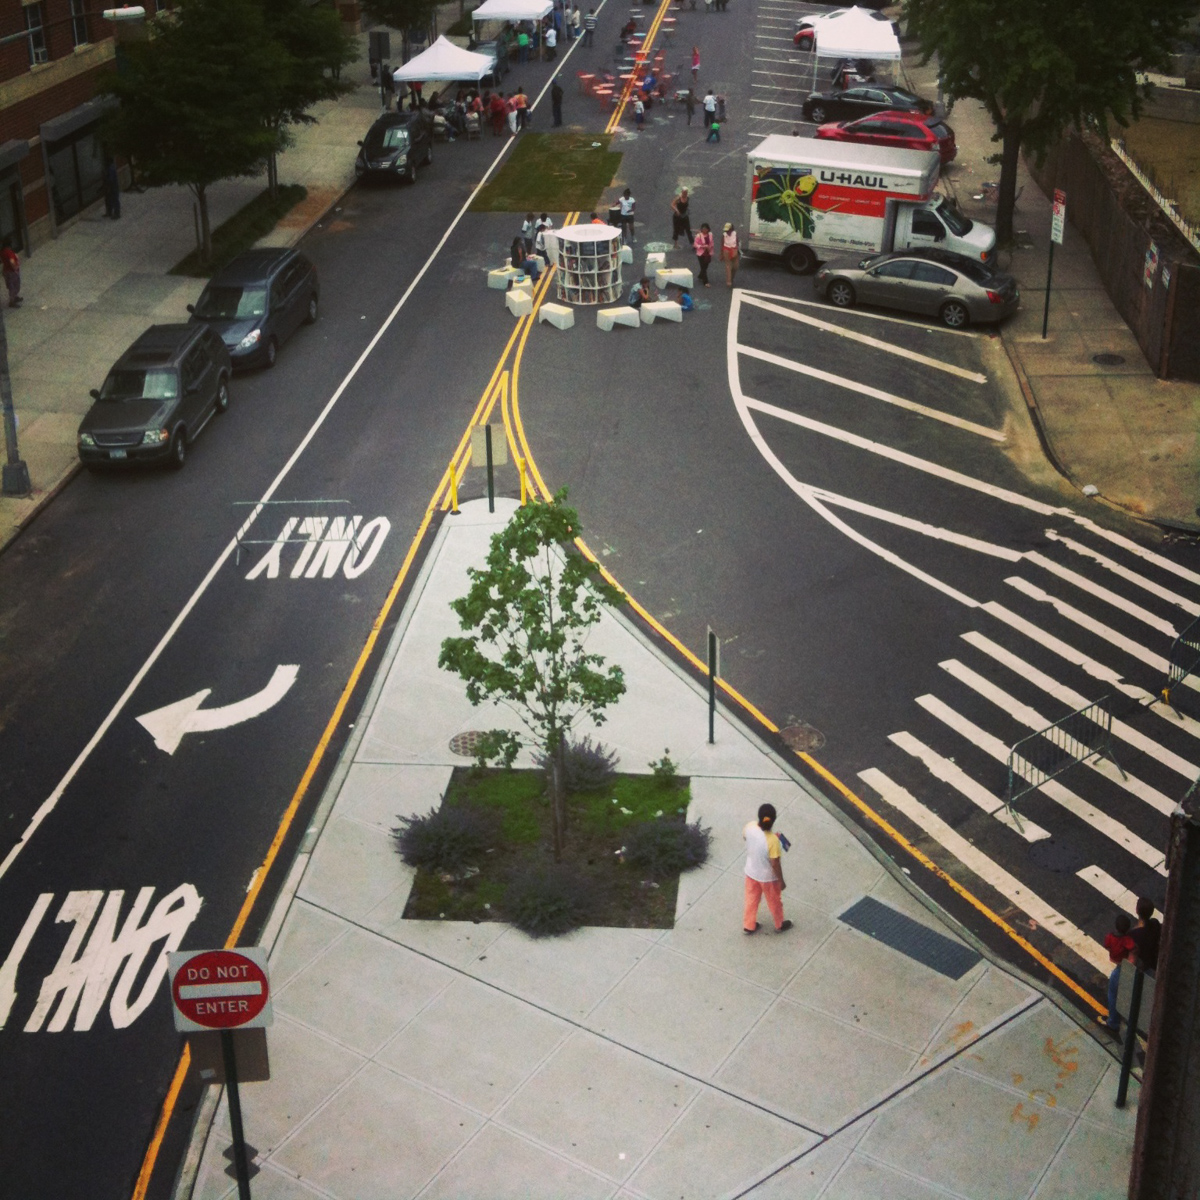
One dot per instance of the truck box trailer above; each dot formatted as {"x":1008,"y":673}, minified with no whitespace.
{"x":810,"y":198}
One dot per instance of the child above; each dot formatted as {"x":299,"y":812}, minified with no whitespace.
{"x":714,"y":132}
{"x":639,"y":113}
{"x":1118,"y":944}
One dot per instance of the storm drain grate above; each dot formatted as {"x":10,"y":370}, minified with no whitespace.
{"x":910,"y":937}
{"x":1108,"y":359}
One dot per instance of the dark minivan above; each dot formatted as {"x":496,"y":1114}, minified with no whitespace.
{"x":157,"y":398}
{"x":257,"y":301}
{"x":394,"y":145}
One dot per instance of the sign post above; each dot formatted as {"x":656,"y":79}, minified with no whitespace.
{"x":223,"y":990}
{"x":714,"y":667}
{"x":1057,"y":220}
{"x":489,"y":453}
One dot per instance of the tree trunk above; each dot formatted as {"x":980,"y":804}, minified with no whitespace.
{"x":1006,"y":200}
{"x":273,"y":175}
{"x":201,"y":194}
{"x":557,"y":793}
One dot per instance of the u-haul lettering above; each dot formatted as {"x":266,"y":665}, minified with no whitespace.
{"x":849,"y":179}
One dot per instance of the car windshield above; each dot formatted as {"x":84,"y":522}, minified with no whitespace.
{"x":232,"y":302}
{"x":394,"y":137}
{"x":134,"y":384}
{"x":905,"y":94}
{"x":974,"y":270}
{"x":958,"y":225}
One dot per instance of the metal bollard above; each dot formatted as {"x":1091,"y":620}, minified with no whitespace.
{"x":1131,"y":1027}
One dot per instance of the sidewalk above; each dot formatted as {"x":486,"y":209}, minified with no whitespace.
{"x":447,"y":1059}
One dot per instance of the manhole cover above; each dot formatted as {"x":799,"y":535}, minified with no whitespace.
{"x":465,"y":744}
{"x":1108,"y":360}
{"x":802,"y":737}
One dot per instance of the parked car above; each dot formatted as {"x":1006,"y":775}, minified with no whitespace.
{"x":957,"y":290}
{"x":906,"y":131}
{"x":394,"y":145}
{"x":862,"y":101}
{"x":157,"y":398}
{"x":257,"y":301}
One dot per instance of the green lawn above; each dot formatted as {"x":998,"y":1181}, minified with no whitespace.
{"x":242,"y":230}
{"x":552,"y":172}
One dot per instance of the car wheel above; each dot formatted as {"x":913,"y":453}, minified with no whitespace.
{"x":805,"y":42}
{"x":817,"y":114}
{"x":429,"y":155}
{"x":954,"y":314}
{"x":800,"y":260}
{"x":310,"y":316}
{"x":178,"y":449}
{"x":272,"y":352}
{"x":223,"y":395}
{"x":841,"y":294}
{"x":411,"y":173}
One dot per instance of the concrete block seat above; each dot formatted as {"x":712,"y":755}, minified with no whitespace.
{"x":655,"y":260}
{"x":501,"y":277}
{"x":626,"y":254}
{"x":680,"y":276}
{"x":666,"y":310}
{"x":519,"y":302}
{"x":606,"y":318}
{"x":558,"y":315}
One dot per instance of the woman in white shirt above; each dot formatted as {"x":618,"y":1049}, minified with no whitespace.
{"x":730,"y":252}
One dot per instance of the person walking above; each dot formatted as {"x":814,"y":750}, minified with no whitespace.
{"x":626,"y":203}
{"x":731,"y":254}
{"x":511,"y":114}
{"x":576,"y":25}
{"x":11,"y":266}
{"x":690,"y":101}
{"x":639,"y":113}
{"x":589,"y":27}
{"x":710,"y":109}
{"x":521,"y":104}
{"x":1119,"y":945}
{"x":1146,"y":935}
{"x":556,"y":99}
{"x":764,"y":871}
{"x":551,"y":44}
{"x":522,"y":46}
{"x":695,"y":63}
{"x":703,"y":245}
{"x":681,"y":223}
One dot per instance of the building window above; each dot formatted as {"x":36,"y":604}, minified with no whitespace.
{"x":35,"y":24}
{"x":79,"y":25}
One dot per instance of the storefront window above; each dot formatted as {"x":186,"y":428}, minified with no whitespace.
{"x":79,"y":25}
{"x":76,"y":172}
{"x":10,"y":209}
{"x":35,"y":21}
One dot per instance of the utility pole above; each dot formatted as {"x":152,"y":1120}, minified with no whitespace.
{"x":16,"y":480}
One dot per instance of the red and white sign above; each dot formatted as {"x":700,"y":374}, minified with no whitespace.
{"x":1058,"y":216}
{"x":220,"y":989}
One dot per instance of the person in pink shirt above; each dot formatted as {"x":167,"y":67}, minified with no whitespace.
{"x":695,"y":63}
{"x":703,"y":245}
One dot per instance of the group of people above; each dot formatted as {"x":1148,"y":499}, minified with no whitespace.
{"x":704,"y":243}
{"x":528,"y":252}
{"x":1128,"y":942}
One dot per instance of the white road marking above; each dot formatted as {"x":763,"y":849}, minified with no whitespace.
{"x":875,"y":393}
{"x":1052,"y":789}
{"x":865,"y":339}
{"x":50,"y":803}
{"x":951,"y":773}
{"x":1109,"y":888}
{"x":1011,"y":888}
{"x":1148,"y":555}
{"x":1189,"y":606}
{"x":1076,"y":700}
{"x":1034,"y":721}
{"x":1092,"y":588}
{"x":778,"y":74}
{"x":862,"y":313}
{"x":774,"y":103}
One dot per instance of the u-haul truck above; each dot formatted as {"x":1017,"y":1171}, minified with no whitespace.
{"x":809,"y":198}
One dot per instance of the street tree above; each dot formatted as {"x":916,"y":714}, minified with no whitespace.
{"x":194,"y":98}
{"x":527,"y":616}
{"x":1039,"y":66}
{"x":317,"y":47}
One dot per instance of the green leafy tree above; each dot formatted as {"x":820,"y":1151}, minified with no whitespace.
{"x":1039,"y":66}
{"x":195,"y":96}
{"x":527,"y":617}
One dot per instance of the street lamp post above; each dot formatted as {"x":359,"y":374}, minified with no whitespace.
{"x":16,"y":474}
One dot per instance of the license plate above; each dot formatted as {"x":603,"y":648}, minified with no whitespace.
{"x":117,"y":454}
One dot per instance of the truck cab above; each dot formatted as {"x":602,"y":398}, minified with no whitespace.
{"x":939,"y":225}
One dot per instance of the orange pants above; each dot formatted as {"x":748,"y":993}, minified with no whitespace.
{"x":756,"y":891}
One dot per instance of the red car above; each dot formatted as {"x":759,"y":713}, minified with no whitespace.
{"x":908,"y":131}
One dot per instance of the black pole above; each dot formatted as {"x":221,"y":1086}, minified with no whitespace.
{"x":1135,"y":1006}
{"x":487,"y":438}
{"x":16,"y":480}
{"x":1046,"y":310}
{"x":712,"y":687}
{"x":235,"y":1116}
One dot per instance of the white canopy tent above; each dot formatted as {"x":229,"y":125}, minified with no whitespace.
{"x":854,"y":33}
{"x":512,"y":10}
{"x":443,"y":61}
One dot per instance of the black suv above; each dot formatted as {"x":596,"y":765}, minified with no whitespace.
{"x":257,"y":302}
{"x":158,"y":396}
{"x":394,"y":145}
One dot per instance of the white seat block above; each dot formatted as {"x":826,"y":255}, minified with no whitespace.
{"x":667,"y":310}
{"x":606,"y":318}
{"x":680,"y":276}
{"x":522,"y":284}
{"x":626,"y":254}
{"x":519,"y":302}
{"x":559,"y":315}
{"x":656,"y":259}
{"x":502,"y":277}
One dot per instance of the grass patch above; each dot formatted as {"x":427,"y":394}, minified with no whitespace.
{"x":242,"y":230}
{"x":552,"y":172}
{"x":598,"y":826}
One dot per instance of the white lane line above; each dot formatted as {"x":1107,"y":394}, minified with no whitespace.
{"x":48,"y":805}
{"x":865,"y":339}
{"x":1109,"y":888}
{"x":1092,"y":588}
{"x":860,"y":313}
{"x":778,"y":120}
{"x":773,"y":103}
{"x":1034,"y":721}
{"x":1052,"y":789}
{"x":779,"y":74}
{"x":1011,"y":888}
{"x":1134,"y":548}
{"x":951,"y":773}
{"x":863,"y":389}
{"x":1189,"y":606}
{"x":1076,"y":700}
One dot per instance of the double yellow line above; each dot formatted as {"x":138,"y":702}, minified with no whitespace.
{"x":614,"y":122}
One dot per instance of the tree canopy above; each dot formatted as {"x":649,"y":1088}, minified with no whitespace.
{"x":1039,"y":66}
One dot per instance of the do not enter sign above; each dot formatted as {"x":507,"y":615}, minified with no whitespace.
{"x":220,"y":989}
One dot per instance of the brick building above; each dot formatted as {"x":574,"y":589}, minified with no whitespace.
{"x":52,"y":54}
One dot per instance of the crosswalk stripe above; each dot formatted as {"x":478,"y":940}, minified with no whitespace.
{"x":988,"y":870}
{"x":951,"y":773}
{"x":1109,"y":888}
{"x":1076,"y":700}
{"x":1034,"y":721}
{"x":1051,"y":789}
{"x":1140,"y":551}
{"x":1092,"y":588}
{"x":1115,"y":568}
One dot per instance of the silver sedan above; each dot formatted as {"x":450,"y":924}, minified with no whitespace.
{"x":956,"y":290}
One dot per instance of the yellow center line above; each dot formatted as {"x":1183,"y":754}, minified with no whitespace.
{"x":614,"y":121}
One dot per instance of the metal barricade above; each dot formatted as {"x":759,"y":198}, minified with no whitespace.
{"x":1183,"y":660}
{"x":1042,"y":756}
